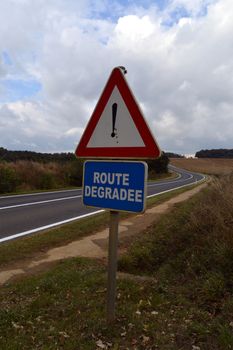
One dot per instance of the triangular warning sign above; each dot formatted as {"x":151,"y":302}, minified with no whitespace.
{"x":117,"y":128}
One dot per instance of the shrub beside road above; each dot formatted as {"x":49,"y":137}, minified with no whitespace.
{"x":27,"y":175}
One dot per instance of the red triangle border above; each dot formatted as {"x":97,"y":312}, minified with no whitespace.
{"x":151,"y":149}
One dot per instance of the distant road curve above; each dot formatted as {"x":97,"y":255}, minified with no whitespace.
{"x":22,"y":215}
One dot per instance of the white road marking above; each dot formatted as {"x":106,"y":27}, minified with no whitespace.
{"x":177,"y":188}
{"x":25,"y":233}
{"x":38,"y":193}
{"x":40,"y":202}
{"x":169,"y":182}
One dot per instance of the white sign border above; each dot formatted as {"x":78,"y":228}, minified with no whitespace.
{"x":119,"y":161}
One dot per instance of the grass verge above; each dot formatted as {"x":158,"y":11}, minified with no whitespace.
{"x":190,"y":253}
{"x":65,"y":309}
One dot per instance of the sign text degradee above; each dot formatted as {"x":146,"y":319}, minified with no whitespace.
{"x":115,"y":185}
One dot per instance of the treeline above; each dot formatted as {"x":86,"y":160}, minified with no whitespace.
{"x":52,"y":172}
{"x":13,"y":156}
{"x":215,"y":153}
{"x":173,"y":155}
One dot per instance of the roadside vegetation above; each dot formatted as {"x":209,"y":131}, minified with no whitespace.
{"x":25,"y":176}
{"x":30,"y":171}
{"x":190,"y":253}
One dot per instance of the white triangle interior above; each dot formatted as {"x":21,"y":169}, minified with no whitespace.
{"x":125,"y":134}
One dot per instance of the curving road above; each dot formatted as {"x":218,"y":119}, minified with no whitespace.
{"x":22,"y":215}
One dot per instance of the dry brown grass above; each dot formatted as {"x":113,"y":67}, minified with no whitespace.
{"x":25,"y":175}
{"x":190,"y":253}
{"x":212,"y":166}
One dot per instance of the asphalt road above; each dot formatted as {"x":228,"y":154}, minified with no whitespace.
{"x":21,"y":215}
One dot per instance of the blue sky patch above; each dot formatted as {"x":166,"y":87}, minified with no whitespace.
{"x":6,"y":58}
{"x":115,"y":9}
{"x":181,"y":12}
{"x":176,"y":15}
{"x":18,"y":89}
{"x":144,"y":3}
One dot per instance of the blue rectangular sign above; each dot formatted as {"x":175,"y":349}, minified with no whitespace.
{"x":115,"y":185}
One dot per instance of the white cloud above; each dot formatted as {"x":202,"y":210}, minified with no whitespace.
{"x":182,"y":74}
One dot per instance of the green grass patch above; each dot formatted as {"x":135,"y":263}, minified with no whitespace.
{"x":66,"y":309}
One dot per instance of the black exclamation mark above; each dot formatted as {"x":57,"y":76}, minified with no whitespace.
{"x":114,"y":113}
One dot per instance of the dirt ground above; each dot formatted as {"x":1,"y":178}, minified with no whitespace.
{"x":96,"y":245}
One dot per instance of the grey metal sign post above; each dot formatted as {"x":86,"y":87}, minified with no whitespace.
{"x":112,"y":265}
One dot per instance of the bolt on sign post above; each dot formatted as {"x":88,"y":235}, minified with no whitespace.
{"x":116,"y":130}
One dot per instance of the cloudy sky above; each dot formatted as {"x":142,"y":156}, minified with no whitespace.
{"x":56,"y":55}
